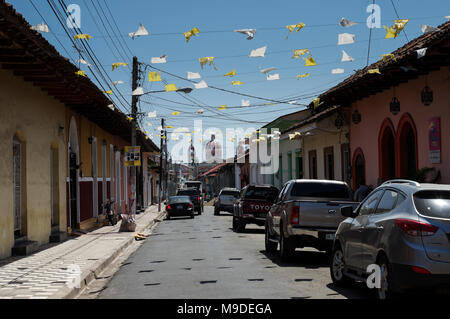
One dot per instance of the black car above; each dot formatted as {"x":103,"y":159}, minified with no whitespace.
{"x":195,"y":196}
{"x":179,"y":206}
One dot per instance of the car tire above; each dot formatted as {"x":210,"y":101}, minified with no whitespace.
{"x":240,"y":225}
{"x":337,"y":265}
{"x":287,"y":247}
{"x":168,"y":217}
{"x":216,"y":212}
{"x":271,"y":247}
{"x":235,"y":224}
{"x":192,"y":216}
{"x":386,"y":289}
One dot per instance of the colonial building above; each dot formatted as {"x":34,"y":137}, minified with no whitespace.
{"x":61,"y":151}
{"x":400,"y":117}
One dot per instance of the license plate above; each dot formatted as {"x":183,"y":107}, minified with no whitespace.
{"x":180,"y":206}
{"x":329,"y":236}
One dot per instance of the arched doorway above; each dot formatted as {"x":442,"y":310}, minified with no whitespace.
{"x":406,"y":141}
{"x":386,"y":151}
{"x":358,"y":168}
{"x":74,"y":188}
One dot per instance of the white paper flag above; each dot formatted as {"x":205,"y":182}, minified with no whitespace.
{"x":141,"y":31}
{"x":117,"y":83}
{"x":346,"y":38}
{"x":337,"y":71}
{"x":152,"y":114}
{"x":346,"y":57}
{"x":245,"y":102}
{"x":260,"y":52}
{"x":447,"y":17}
{"x":193,"y":75}
{"x":421,"y":52}
{"x":138,"y":91}
{"x":292,"y":102}
{"x":268,"y":70}
{"x":407,"y":68}
{"x":428,"y":28}
{"x":201,"y":85}
{"x":271,"y":77}
{"x":83,"y":62}
{"x":200,"y":111}
{"x":42,"y":27}
{"x":249,"y":32}
{"x":161,"y":59}
{"x":347,"y":23}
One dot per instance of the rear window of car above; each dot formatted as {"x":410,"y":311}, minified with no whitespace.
{"x":230,"y":193}
{"x":268,"y":194}
{"x":179,"y":199}
{"x":189,"y":192}
{"x":321,"y":190}
{"x":433,"y":203}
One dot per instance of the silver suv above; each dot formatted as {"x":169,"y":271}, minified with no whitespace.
{"x":404,"y":228}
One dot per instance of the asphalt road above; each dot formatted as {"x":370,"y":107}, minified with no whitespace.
{"x":203,"y":258}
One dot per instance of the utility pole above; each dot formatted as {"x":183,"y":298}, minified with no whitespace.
{"x":134,"y":100}
{"x":161,"y":165}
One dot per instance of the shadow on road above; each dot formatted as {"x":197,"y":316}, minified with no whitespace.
{"x":306,"y":259}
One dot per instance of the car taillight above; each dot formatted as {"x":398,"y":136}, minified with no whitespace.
{"x":190,"y":205}
{"x":295,"y":214}
{"x":169,"y":207}
{"x":199,"y":198}
{"x":416,"y":228}
{"x":420,"y":270}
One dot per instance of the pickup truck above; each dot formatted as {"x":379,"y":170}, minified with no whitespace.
{"x":306,"y":214}
{"x":225,"y":200}
{"x":252,"y":205}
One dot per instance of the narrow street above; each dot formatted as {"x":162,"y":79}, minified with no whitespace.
{"x":204,"y":258}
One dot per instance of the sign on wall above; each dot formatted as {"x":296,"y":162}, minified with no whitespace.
{"x":132,"y":156}
{"x":434,"y":140}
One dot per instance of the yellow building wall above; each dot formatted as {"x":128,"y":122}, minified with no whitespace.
{"x":36,"y":116}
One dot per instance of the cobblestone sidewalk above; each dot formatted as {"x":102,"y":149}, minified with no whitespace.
{"x":54,"y":272}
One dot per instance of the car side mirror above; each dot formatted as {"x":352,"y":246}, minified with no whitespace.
{"x":347,"y":211}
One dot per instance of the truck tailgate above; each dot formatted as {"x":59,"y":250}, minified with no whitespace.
{"x":321,"y":214}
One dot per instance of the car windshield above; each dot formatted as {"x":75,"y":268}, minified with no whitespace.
{"x":178,"y":199}
{"x":230,"y":193}
{"x":268,"y":194}
{"x":189,"y":192}
{"x":433,"y":203}
{"x":321,"y":190}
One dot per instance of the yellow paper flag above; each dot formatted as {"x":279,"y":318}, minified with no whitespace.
{"x":108,"y":92}
{"x":297,"y":27}
{"x":83,"y":36}
{"x":298,"y":53}
{"x":231,"y":73}
{"x":154,"y":76}
{"x":205,"y":60}
{"x":373,"y":71}
{"x":171,"y":87}
{"x":175,"y":113}
{"x":129,"y":118}
{"x":389,"y":55}
{"x":302,"y":75}
{"x":223,"y":107}
{"x":394,"y":31}
{"x":191,"y":33}
{"x":117,"y":64}
{"x":316,"y":102}
{"x":309,"y":61}
{"x":81,"y":73}
{"x":169,"y":126}
{"x":237,"y":83}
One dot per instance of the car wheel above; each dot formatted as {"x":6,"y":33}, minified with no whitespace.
{"x":234,"y":223}
{"x":192,"y":216}
{"x":286,"y":247}
{"x":240,"y":225}
{"x":337,"y":268}
{"x":271,"y":246}
{"x":386,"y":288}
{"x":216,"y":212}
{"x":168,"y":217}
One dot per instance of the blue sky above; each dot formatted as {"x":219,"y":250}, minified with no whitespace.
{"x":167,"y":20}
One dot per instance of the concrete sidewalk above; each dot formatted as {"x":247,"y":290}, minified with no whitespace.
{"x":49,"y":273}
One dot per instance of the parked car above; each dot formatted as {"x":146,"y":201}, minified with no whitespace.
{"x":252,"y":205}
{"x":404,"y":228}
{"x":195,"y":196}
{"x":226,"y":199}
{"x":306,"y":214}
{"x":179,"y":206}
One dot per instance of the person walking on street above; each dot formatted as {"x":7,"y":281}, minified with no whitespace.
{"x":362,"y":191}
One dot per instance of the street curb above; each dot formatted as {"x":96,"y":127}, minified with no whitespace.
{"x":89,"y":276}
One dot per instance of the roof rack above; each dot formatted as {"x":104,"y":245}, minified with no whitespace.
{"x":401,"y":181}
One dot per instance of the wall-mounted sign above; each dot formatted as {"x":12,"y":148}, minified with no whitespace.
{"x":132,"y":156}
{"x":434,"y":140}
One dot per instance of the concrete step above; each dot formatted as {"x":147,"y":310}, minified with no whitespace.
{"x":24,"y":248}
{"x":57,"y":237}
